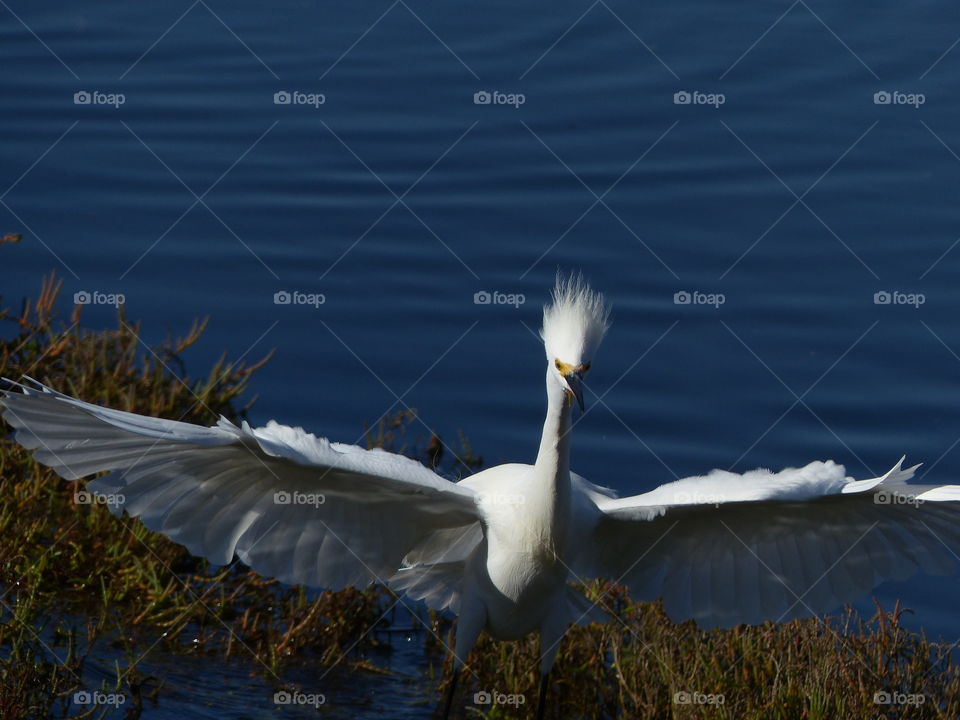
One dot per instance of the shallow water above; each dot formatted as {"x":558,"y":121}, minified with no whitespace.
{"x":798,"y":199}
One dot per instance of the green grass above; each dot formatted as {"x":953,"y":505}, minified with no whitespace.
{"x":73,"y":579}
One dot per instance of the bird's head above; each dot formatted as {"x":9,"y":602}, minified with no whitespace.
{"x":573,"y":327}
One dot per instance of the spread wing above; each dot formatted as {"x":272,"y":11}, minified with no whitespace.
{"x":288,"y":504}
{"x":727,"y":549}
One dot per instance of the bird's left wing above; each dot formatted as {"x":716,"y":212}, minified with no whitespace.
{"x":289,"y":504}
{"x":727,"y":549}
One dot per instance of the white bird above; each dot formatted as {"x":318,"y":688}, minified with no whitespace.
{"x":500,"y":547}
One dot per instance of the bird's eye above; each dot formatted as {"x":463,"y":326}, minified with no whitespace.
{"x":585,"y":367}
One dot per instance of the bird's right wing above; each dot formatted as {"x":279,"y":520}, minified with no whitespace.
{"x":288,"y":504}
{"x":727,"y":549}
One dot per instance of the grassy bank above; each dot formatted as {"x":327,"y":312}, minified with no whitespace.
{"x":73,"y":578}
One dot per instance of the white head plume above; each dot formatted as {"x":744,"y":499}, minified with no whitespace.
{"x":575,"y":322}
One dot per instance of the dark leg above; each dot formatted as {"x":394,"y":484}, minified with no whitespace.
{"x":450,"y":693}
{"x":542,"y":699}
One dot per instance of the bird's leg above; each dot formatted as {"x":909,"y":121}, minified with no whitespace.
{"x":469,"y":624}
{"x":542,"y":697}
{"x":450,"y":693}
{"x":551,"y":633}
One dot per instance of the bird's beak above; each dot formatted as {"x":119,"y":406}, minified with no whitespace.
{"x":575,"y":383}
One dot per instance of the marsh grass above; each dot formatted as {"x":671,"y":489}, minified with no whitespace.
{"x":73,"y":579}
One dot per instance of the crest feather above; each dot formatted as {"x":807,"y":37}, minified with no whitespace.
{"x":576,"y":321}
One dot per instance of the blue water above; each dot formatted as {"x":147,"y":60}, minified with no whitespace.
{"x":798,"y":198}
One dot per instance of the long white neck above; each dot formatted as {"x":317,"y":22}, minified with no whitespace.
{"x":552,"y":467}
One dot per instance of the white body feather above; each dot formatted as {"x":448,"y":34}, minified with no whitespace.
{"x":499,"y":547}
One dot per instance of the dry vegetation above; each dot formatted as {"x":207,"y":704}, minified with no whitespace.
{"x":73,"y":577}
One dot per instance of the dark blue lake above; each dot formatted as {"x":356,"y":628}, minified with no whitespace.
{"x":799,"y":162}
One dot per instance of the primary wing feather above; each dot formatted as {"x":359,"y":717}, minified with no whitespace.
{"x":727,"y":549}
{"x":289,"y":504}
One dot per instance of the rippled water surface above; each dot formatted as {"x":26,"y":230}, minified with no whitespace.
{"x":786,"y":186}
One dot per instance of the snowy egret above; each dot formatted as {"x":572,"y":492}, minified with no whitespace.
{"x":500,"y":548}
